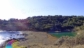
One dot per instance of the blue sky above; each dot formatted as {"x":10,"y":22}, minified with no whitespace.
{"x":26,"y":8}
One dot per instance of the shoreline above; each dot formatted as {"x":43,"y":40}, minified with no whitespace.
{"x":41,"y":40}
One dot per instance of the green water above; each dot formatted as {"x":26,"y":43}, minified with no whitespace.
{"x":63,"y":34}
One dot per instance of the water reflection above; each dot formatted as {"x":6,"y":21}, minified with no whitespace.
{"x":1,"y":40}
{"x":6,"y":35}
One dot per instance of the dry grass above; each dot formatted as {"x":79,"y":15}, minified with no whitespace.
{"x":44,"y":40}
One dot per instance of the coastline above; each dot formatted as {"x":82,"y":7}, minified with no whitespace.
{"x":40,"y":39}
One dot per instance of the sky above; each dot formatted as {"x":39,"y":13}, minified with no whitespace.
{"x":27,"y":8}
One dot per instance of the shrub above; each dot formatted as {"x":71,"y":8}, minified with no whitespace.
{"x":79,"y":38}
{"x":70,"y":41}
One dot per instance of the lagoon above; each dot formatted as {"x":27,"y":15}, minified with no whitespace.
{"x":60,"y":34}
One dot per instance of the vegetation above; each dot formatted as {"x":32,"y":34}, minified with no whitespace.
{"x":71,"y":41}
{"x":44,"y":23}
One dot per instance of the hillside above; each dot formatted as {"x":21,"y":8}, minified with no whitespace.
{"x":38,"y":38}
{"x":44,"y":40}
{"x":44,"y":23}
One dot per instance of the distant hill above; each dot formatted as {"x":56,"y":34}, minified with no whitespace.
{"x":44,"y":23}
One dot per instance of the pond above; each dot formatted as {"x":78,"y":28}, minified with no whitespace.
{"x":60,"y":34}
{"x":7,"y":35}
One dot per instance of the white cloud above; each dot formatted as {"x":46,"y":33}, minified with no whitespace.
{"x":8,"y":11}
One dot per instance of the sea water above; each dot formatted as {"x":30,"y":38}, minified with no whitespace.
{"x":6,"y":35}
{"x":60,"y":34}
